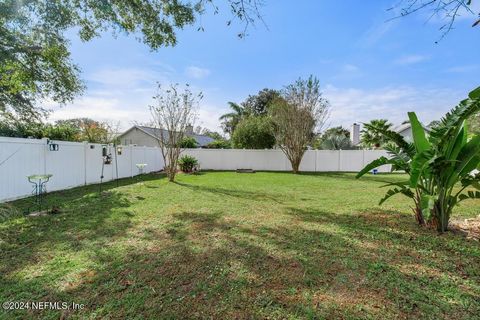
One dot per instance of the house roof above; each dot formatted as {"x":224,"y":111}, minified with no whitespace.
{"x":202,"y":140}
{"x":404,"y":126}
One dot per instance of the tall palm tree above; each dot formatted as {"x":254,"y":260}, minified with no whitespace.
{"x":371,"y":136}
{"x":231,"y":120}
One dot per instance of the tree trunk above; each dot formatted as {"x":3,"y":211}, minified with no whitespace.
{"x":295,"y":165}
{"x":418,"y":211}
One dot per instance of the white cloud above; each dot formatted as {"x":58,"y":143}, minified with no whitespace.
{"x":462,"y":69}
{"x":124,"y":95}
{"x":347,"y":72}
{"x":411,"y":59}
{"x":351,"y":105}
{"x":197,"y":72}
{"x":376,"y":33}
{"x":350,"y":68}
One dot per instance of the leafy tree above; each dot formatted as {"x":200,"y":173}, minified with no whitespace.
{"x":35,"y":62}
{"x":440,"y":164}
{"x":62,"y":132}
{"x":232,"y":119}
{"x":89,"y":130}
{"x":20,"y":126}
{"x":258,"y":104}
{"x":370,"y":137}
{"x":219,"y":144}
{"x":82,"y":129}
{"x":254,"y":133}
{"x":296,"y":116}
{"x":188,"y":142}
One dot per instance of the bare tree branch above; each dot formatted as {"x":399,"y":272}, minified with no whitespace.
{"x":173,"y":112}
{"x":447,"y":10}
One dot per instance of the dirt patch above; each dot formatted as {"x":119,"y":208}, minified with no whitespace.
{"x":468,"y":227}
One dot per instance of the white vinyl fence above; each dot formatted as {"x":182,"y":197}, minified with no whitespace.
{"x":275,"y":160}
{"x":76,"y":164}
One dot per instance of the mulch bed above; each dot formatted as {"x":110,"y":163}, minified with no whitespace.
{"x":468,"y":227}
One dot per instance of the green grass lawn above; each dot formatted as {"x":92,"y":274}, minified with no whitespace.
{"x":225,"y":245}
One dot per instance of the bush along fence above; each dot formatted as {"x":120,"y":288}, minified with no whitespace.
{"x":73,"y":164}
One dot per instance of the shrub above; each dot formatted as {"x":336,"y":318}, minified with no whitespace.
{"x":219,"y":144}
{"x":188,"y":142}
{"x":187,"y":163}
{"x":254,"y":133}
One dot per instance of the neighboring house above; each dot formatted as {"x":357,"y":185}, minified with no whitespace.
{"x":405,"y":130}
{"x":147,"y":136}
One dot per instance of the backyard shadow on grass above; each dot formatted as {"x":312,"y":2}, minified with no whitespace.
{"x":383,"y":178}
{"x":202,"y":265}
{"x":85,"y":216}
{"x":322,"y":265}
{"x":237,"y":193}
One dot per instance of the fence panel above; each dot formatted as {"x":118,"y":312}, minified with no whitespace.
{"x":371,"y":155}
{"x":19,"y":159}
{"x":69,"y":153}
{"x":309,"y":161}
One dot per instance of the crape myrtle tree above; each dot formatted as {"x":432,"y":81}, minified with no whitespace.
{"x":296,"y":116}
{"x":174,"y":111}
{"x":35,"y":61}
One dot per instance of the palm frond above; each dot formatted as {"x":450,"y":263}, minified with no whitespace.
{"x":396,"y":138}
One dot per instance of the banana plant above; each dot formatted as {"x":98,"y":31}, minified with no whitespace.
{"x":400,"y":157}
{"x":439,"y":165}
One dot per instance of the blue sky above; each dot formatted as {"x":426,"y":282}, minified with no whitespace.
{"x":368,"y":68}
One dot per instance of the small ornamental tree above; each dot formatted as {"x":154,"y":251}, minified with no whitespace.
{"x":296,"y":116}
{"x":174,"y":111}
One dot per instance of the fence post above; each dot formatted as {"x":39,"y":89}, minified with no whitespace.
{"x":131,"y":161}
{"x":339,"y":160}
{"x":85,"y":147}
{"x":44,"y":154}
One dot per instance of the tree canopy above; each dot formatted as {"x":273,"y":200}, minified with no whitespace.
{"x":259,"y":103}
{"x":297,"y":115}
{"x":254,"y":133}
{"x":35,"y":62}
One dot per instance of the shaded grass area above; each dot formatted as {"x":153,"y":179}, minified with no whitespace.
{"x":243,"y":246}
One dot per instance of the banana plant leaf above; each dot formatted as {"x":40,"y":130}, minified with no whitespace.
{"x":390,"y":193}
